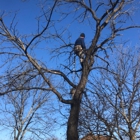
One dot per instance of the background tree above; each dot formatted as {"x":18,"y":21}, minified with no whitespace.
{"x":107,"y":20}
{"x":23,"y":112}
{"x":113,"y":107}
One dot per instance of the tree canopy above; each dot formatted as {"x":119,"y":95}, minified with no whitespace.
{"x":43,"y":55}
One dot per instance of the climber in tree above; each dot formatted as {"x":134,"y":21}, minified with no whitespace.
{"x":79,"y":48}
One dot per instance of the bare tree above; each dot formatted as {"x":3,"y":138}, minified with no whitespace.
{"x":109,"y":16}
{"x":113,"y":109}
{"x":23,"y":114}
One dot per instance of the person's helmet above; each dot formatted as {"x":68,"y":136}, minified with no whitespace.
{"x":82,"y":35}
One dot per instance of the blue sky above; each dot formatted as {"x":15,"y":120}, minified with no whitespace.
{"x":27,"y":12}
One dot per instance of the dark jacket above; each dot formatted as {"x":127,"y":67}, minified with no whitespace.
{"x":80,"y":41}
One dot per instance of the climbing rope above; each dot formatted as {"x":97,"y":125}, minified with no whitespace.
{"x":74,"y":64}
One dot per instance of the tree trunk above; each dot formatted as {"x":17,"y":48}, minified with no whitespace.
{"x":132,"y":134}
{"x":72,"y":127}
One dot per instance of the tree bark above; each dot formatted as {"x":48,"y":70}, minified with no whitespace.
{"x":72,"y":131}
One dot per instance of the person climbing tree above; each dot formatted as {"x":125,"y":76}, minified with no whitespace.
{"x":79,"y":48}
